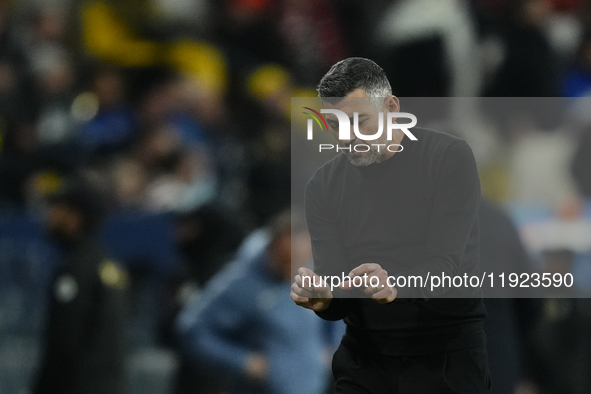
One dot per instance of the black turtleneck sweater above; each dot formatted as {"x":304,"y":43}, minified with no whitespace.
{"x":415,"y":213}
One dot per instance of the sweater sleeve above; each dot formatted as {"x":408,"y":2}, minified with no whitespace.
{"x":339,"y":309}
{"x":327,"y":250}
{"x":454,"y":214}
{"x":207,"y":327}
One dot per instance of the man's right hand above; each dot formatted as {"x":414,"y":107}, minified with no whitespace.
{"x":316,"y":298}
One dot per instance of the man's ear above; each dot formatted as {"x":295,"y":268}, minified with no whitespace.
{"x":393,"y":104}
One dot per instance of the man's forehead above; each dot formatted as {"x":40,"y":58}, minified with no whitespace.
{"x":354,"y":102}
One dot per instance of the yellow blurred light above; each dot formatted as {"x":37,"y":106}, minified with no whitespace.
{"x":112,"y":275}
{"x":85,"y":106}
{"x":266,"y":80}
{"x":201,"y":62}
{"x":47,"y":183}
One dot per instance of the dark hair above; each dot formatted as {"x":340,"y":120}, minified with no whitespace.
{"x":354,"y":73}
{"x":84,"y":199}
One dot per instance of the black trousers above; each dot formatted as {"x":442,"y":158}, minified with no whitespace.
{"x":462,"y":371}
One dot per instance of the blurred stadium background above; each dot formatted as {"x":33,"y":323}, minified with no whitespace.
{"x":178,"y":111}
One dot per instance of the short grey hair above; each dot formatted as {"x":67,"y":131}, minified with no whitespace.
{"x":351,"y":74}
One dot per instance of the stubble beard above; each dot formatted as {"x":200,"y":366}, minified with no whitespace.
{"x":365,"y":159}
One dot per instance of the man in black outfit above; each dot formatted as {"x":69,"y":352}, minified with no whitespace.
{"x":380,"y":213}
{"x":83,"y":349}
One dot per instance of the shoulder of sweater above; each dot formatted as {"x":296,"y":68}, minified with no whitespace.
{"x":435,"y":147}
{"x":435,"y":142}
{"x":329,"y":168}
{"x":434,"y":137}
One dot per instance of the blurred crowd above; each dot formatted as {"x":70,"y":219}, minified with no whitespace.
{"x":177,"y":112}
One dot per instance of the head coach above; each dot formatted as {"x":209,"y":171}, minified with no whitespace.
{"x":376,"y":213}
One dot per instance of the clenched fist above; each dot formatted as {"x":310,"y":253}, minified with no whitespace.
{"x":316,"y":298}
{"x":380,"y":291}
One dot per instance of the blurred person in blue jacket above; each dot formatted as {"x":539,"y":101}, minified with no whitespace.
{"x":244,"y":327}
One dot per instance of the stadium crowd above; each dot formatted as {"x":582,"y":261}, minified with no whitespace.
{"x":177,"y":113}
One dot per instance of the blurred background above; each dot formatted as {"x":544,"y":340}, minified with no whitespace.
{"x":177,"y":112}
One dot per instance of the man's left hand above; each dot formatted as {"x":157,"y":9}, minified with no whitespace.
{"x":381,"y":292}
